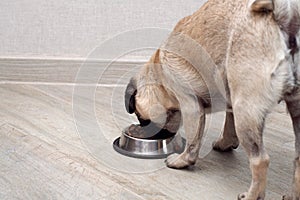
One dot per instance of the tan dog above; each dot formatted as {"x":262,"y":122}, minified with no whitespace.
{"x":253,"y":46}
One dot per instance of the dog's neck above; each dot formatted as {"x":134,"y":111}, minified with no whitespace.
{"x":151,"y":71}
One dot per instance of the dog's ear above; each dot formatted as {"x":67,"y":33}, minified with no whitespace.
{"x":130,"y":93}
{"x":261,"y":5}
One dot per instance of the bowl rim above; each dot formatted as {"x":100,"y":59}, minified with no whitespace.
{"x":122,"y":151}
{"x":148,"y":140}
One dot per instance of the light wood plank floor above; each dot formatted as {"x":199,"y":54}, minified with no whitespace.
{"x":49,"y":151}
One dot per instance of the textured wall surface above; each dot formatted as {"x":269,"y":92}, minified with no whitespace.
{"x":72,"y":28}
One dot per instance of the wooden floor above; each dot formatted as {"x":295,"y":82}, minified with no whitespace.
{"x":54,"y":145}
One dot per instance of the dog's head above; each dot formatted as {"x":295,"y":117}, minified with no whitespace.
{"x":151,"y":110}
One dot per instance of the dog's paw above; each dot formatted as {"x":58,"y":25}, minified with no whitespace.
{"x":225,"y":146}
{"x":244,"y":196}
{"x":176,"y":161}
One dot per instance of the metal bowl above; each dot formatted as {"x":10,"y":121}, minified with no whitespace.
{"x":148,"y":148}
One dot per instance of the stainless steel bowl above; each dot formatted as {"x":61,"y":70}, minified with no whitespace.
{"x":148,"y":148}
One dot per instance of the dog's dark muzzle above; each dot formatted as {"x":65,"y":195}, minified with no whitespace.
{"x":153,"y":130}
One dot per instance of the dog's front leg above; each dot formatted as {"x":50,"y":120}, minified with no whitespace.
{"x":193,"y":117}
{"x":294,"y":109}
{"x":228,"y":139}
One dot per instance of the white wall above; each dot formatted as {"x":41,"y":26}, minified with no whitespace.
{"x":72,"y":28}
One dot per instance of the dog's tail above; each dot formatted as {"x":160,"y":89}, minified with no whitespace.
{"x":287,"y":15}
{"x":285,"y":12}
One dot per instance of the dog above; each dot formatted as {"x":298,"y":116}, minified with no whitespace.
{"x":238,"y":55}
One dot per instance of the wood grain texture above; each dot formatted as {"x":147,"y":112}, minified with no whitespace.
{"x":42,"y":155}
{"x":51,"y":121}
{"x":67,"y":71}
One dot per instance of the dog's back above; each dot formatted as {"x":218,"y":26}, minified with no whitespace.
{"x":252,"y":45}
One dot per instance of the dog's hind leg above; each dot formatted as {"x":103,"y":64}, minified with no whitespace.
{"x":228,"y":139}
{"x":193,"y":117}
{"x":249,"y":120}
{"x":294,"y":109}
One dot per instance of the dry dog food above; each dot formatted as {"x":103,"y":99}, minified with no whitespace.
{"x":148,"y":132}
{"x":137,"y":131}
